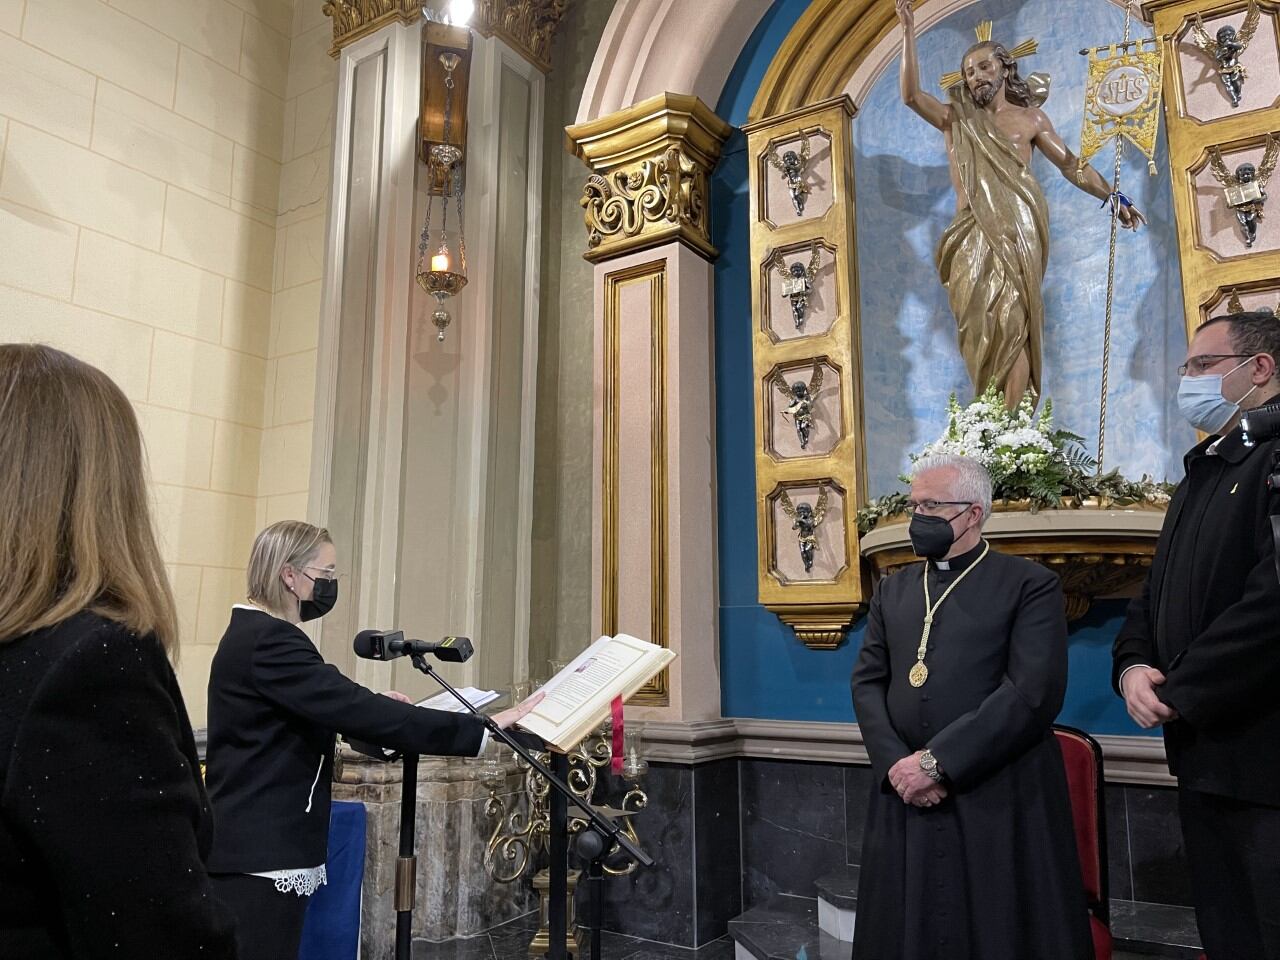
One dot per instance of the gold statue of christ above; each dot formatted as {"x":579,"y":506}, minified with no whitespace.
{"x":992,"y":257}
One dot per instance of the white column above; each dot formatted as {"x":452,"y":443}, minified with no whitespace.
{"x":424,"y":450}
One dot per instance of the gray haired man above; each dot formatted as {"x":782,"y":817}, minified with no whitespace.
{"x":969,"y":849}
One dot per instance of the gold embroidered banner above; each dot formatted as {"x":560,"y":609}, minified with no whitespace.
{"x":1122,"y":97}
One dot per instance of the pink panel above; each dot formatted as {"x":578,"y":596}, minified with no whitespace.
{"x":778,"y":206}
{"x":824,"y":305}
{"x":829,"y":557}
{"x":1219,"y":230}
{"x":826,"y":430}
{"x":1206,"y":99}
{"x":635,"y":460}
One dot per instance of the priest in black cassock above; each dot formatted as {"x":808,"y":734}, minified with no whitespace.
{"x":969,"y":851}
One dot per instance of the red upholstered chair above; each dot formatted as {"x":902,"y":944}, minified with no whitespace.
{"x":1083,"y":760}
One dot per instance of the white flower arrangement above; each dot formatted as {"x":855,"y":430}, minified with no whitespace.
{"x":1028,"y":458}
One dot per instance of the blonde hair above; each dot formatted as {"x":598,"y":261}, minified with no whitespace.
{"x":293,"y":543}
{"x":75,"y":528}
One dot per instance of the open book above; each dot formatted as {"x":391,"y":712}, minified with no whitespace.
{"x":578,"y":697}
{"x":448,"y":702}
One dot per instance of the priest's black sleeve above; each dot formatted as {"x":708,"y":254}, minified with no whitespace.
{"x":870,"y":685}
{"x":102,"y":786}
{"x":289,"y":671}
{"x":1023,"y":707}
{"x":1134,"y":644}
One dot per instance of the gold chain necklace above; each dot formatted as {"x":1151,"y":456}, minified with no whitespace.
{"x":920,"y":673}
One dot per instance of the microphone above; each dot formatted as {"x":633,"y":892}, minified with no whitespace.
{"x":389,"y":644}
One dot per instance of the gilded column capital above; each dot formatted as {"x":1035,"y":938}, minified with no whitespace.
{"x":353,"y":19}
{"x":652,"y":164}
{"x":528,"y":26}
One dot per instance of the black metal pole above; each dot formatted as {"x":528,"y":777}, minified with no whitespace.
{"x":407,"y":862}
{"x":558,"y":868}
{"x":591,"y":848}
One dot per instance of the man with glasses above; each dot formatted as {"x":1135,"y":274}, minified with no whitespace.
{"x":969,"y":851}
{"x":1199,"y":652}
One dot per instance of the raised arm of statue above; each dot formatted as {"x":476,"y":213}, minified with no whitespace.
{"x":1061,"y":156}
{"x":926,"y":105}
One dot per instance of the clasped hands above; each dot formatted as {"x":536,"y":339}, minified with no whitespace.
{"x":1138,"y":687}
{"x":915,"y":786}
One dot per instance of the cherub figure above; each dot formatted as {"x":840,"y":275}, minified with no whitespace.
{"x":792,"y":167}
{"x":1246,"y":189}
{"x":800,"y":397}
{"x":805,"y":520}
{"x":1227,"y":48}
{"x":797,"y":282}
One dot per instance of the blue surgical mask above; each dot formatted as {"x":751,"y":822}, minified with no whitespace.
{"x":1201,"y":402}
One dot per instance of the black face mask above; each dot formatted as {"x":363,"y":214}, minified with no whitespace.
{"x":324,"y":594}
{"x":931,"y":537}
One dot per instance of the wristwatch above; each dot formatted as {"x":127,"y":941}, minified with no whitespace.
{"x":929,"y":764}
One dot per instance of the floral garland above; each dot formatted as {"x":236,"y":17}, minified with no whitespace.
{"x":1029,"y":460}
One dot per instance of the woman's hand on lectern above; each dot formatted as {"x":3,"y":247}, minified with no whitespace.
{"x":513,"y":715}
{"x":397,"y":695}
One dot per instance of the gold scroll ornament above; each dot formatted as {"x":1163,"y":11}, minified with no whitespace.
{"x":1122,"y":98}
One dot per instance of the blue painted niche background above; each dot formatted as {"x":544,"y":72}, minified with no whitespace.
{"x":910,"y":360}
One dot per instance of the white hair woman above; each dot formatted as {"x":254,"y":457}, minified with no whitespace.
{"x":275,"y":707}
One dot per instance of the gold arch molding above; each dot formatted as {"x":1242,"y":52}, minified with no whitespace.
{"x":821,"y":53}
{"x":828,"y":44}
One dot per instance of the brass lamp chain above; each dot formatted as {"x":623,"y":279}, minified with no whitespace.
{"x":920,"y":673}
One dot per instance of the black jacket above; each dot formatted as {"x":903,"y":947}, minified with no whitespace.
{"x":104,"y":822}
{"x":1209,"y":618}
{"x":274,"y":709}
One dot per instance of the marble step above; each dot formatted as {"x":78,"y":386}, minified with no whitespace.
{"x":838,"y":903}
{"x":787,"y":928}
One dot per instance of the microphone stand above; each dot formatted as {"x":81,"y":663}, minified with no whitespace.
{"x":605,"y":834}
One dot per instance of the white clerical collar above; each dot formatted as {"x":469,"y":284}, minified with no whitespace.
{"x":942,"y":564}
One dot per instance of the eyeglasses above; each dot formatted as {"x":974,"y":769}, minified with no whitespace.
{"x":326,"y":573}
{"x":1198,"y":365}
{"x":931,"y":506}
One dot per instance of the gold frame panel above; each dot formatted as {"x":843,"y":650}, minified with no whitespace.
{"x":656,"y":692}
{"x":1205,"y":275}
{"x":822,"y":610}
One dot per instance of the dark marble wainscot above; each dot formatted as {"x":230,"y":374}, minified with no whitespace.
{"x":691,"y":829}
{"x":456,"y":897}
{"x":793,"y":826}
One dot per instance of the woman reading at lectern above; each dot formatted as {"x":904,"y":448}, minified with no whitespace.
{"x":274,"y":709}
{"x":103,"y":819}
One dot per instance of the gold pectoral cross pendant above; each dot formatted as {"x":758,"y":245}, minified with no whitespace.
{"x":919,"y":674}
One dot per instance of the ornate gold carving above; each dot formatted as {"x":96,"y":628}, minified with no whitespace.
{"x":654,"y":275}
{"x":652,"y":162}
{"x":528,"y":26}
{"x":819,"y":611}
{"x":817,"y":626}
{"x":1206,"y":275}
{"x":353,"y":19}
{"x":670,"y":190}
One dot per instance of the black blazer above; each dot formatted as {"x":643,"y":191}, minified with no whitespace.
{"x":104,"y":822}
{"x":274,"y":709}
{"x":1209,"y":618}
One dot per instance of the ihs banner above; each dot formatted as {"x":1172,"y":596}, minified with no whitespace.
{"x":1122,"y":98}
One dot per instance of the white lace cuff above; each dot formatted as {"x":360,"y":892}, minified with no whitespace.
{"x":303,"y":882}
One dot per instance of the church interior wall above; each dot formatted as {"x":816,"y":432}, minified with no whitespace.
{"x":560,"y":601}
{"x":161,"y":206}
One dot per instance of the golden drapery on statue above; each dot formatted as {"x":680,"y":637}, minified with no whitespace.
{"x":992,"y":257}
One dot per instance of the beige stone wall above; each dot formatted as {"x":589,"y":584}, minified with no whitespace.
{"x":162,"y":175}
